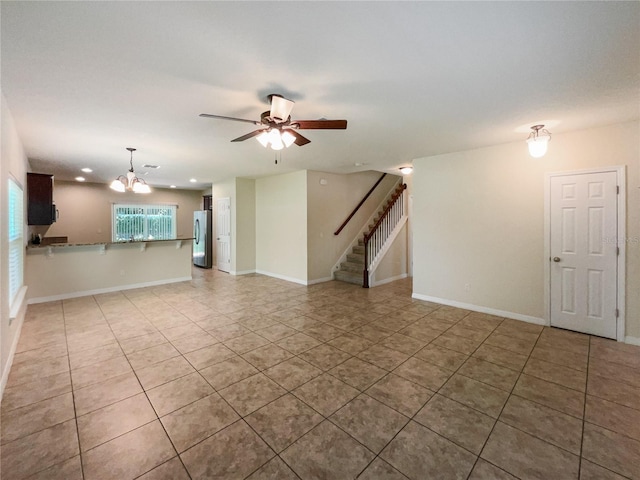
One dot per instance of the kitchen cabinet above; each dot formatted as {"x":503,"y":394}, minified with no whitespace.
{"x":40,"y":207}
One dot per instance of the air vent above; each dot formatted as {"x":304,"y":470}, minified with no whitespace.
{"x":151,"y":166}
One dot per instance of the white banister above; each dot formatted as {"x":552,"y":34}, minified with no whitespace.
{"x":376,"y":240}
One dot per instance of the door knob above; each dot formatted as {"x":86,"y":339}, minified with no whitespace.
{"x":556,"y":259}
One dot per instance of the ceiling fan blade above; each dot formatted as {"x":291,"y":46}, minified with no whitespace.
{"x":255,"y":133}
{"x":320,"y":124}
{"x":300,"y":140}
{"x":208,"y":115}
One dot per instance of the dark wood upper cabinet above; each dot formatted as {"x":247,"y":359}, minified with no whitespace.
{"x":40,"y":207}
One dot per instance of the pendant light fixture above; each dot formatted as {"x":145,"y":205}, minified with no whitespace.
{"x":538,"y":140}
{"x":130,"y":182}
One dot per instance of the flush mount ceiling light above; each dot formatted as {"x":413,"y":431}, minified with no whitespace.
{"x":538,"y":140}
{"x":130,"y":181}
{"x":406,"y":170}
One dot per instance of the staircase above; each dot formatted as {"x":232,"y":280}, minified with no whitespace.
{"x":355,"y":270}
{"x":351,"y":270}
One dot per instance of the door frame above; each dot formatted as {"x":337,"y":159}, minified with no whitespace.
{"x":621,"y":236}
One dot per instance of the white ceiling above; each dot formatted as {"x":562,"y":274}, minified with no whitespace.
{"x":85,"y":80}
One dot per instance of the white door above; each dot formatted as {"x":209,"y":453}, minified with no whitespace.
{"x":584,"y":252}
{"x":223,"y":234}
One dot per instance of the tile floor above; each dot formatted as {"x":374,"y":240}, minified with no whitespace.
{"x":251,"y":377}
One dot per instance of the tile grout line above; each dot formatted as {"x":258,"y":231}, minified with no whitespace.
{"x":343,"y":332}
{"x":73,"y":394}
{"x":504,"y":405}
{"x":145,"y":394}
{"x":584,"y":409}
{"x":325,"y":418}
{"x":584,"y":420}
{"x":411,"y":418}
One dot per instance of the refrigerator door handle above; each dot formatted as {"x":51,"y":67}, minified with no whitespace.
{"x":197,"y":231}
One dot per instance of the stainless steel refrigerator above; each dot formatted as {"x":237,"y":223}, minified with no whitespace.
{"x":202,"y":241}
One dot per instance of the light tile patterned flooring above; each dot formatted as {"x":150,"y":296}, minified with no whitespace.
{"x":251,"y":377}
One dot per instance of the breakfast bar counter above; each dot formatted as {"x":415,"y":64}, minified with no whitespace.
{"x":67,"y":270}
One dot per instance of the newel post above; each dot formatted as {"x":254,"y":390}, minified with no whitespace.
{"x":365,"y":280}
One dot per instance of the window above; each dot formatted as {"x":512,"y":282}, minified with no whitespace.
{"x":143,"y":222}
{"x":16,"y":243}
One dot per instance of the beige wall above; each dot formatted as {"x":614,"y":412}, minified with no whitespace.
{"x":328,"y":205}
{"x":85,"y":209}
{"x":281,"y":226}
{"x":478,"y":219}
{"x":13,"y":163}
{"x":245,"y":220}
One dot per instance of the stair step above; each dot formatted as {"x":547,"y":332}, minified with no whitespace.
{"x":356,"y":257}
{"x":351,"y":267}
{"x":359,"y":249}
{"x":349,"y":277}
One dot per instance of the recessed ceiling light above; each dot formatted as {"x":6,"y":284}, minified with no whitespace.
{"x":172,"y":186}
{"x":359,"y":164}
{"x":80,"y":179}
{"x":193,"y":180}
{"x":406,"y":170}
{"x":87,"y":170}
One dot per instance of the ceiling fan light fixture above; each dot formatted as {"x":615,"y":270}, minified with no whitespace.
{"x":280,"y":108}
{"x":288,"y":138}
{"x":263,"y":138}
{"x":276,"y":142}
{"x":538,"y":141}
{"x":276,"y":139}
{"x":276,"y":127}
{"x":130,"y":181}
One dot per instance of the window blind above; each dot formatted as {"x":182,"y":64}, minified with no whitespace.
{"x":16,"y":243}
{"x":143,"y":222}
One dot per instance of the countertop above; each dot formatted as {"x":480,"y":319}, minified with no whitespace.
{"x":62,"y":245}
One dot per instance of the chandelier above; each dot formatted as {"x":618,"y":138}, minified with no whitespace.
{"x":129,"y":181}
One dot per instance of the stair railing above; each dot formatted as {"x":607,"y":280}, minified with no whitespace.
{"x":355,"y":210}
{"x":375,"y":240}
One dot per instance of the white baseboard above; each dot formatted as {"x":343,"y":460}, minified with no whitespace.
{"x":98,"y":291}
{"x":388,"y":280}
{"x":478,"y":308}
{"x":282,"y":277}
{"x":241,"y":272}
{"x":12,"y":352}
{"x":632,"y":340}
{"x":319,"y":280}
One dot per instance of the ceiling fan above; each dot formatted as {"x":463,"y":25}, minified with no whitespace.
{"x":277,"y":128}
